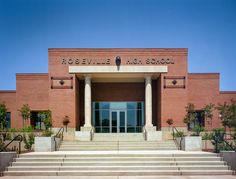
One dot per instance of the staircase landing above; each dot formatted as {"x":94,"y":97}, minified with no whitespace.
{"x":118,"y":163}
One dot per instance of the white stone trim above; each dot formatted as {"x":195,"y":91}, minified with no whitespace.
{"x":115,"y":69}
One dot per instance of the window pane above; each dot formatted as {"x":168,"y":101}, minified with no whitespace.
{"x":114,"y":119}
{"x":105,"y":118}
{"x":118,"y":105}
{"x":8,"y":120}
{"x":97,"y":118}
{"x":132,"y":105}
{"x":131,"y":118}
{"x":104,"y":105}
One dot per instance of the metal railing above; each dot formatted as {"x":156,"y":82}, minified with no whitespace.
{"x":224,"y":142}
{"x":144,"y":133}
{"x":174,"y":134}
{"x":60,"y":134}
{"x":16,"y":138}
{"x":91,"y":133}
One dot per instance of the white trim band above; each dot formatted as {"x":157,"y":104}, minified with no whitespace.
{"x":115,"y":69}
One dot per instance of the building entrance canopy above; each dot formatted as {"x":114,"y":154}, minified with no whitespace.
{"x":118,"y":120}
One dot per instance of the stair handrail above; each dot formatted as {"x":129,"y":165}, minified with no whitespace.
{"x":91,"y":133}
{"x":229,"y":145}
{"x":217,"y":150}
{"x":175,"y":131}
{"x":14,"y":139}
{"x":145,"y":133}
{"x":60,"y":134}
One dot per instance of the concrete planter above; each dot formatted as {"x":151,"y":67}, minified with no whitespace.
{"x":44,"y":144}
{"x":207,"y":145}
{"x":191,"y":143}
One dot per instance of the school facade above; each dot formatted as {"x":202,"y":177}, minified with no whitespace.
{"x":115,"y":90}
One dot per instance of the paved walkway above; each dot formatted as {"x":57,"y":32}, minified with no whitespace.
{"x":120,"y":177}
{"x":120,"y":152}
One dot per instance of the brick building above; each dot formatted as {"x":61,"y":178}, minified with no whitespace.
{"x":115,"y":90}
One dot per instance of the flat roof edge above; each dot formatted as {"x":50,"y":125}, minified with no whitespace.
{"x":214,"y":73}
{"x":118,"y":49}
{"x":227,"y":92}
{"x":32,"y":74}
{"x":7,"y":91}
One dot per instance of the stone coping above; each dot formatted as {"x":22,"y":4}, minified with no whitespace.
{"x":120,"y":152}
{"x":121,"y":177}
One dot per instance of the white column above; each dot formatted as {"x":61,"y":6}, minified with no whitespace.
{"x":87,"y":101}
{"x":148,"y":101}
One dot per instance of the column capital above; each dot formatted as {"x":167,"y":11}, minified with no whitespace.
{"x":148,"y":76}
{"x":87,"y":76}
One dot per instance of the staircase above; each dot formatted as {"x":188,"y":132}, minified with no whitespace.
{"x":118,"y":163}
{"x":116,"y":145}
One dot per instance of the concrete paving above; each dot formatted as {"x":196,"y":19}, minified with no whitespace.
{"x":120,"y":152}
{"x":120,"y":177}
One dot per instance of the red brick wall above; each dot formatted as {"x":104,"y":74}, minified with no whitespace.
{"x":173,"y":100}
{"x":118,"y":92}
{"x":41,"y":92}
{"x":31,"y":89}
{"x":9,"y":98}
{"x":204,"y":89}
{"x":62,"y":102}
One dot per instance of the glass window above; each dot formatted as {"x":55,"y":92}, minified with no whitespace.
{"x":199,"y":120}
{"x":36,"y":120}
{"x":97,"y":118}
{"x":131,"y":105}
{"x":125,"y":116}
{"x":104,"y":105}
{"x":8,"y":120}
{"x":118,"y":105}
{"x":105,"y":118}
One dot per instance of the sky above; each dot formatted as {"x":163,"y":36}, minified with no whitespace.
{"x":29,"y":27}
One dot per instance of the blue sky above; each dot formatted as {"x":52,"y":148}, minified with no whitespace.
{"x":29,"y":27}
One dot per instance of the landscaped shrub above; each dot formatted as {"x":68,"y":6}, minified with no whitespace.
{"x":197,"y":130}
{"x":28,"y":141}
{"x":207,"y":136}
{"x":12,"y":130}
{"x":179,"y":134}
{"x":47,"y":133}
{"x":27,"y":129}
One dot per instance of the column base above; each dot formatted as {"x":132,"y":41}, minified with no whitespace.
{"x":152,"y":134}
{"x":84,"y":134}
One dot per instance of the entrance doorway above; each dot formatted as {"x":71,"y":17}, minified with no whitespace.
{"x":118,"y":121}
{"x":118,"y":117}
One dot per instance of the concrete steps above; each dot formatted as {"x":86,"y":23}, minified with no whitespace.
{"x":116,"y":145}
{"x":118,"y":137}
{"x":113,"y":163}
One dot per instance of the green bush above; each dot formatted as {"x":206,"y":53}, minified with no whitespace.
{"x":178,"y":134}
{"x":47,"y":133}
{"x":8,"y":136}
{"x":27,"y":129}
{"x":197,"y":130}
{"x":207,"y":136}
{"x":28,"y":141}
{"x":1,"y":144}
{"x":12,"y":130}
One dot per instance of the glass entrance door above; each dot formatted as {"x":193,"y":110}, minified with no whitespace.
{"x":118,"y":117}
{"x":118,"y":122}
